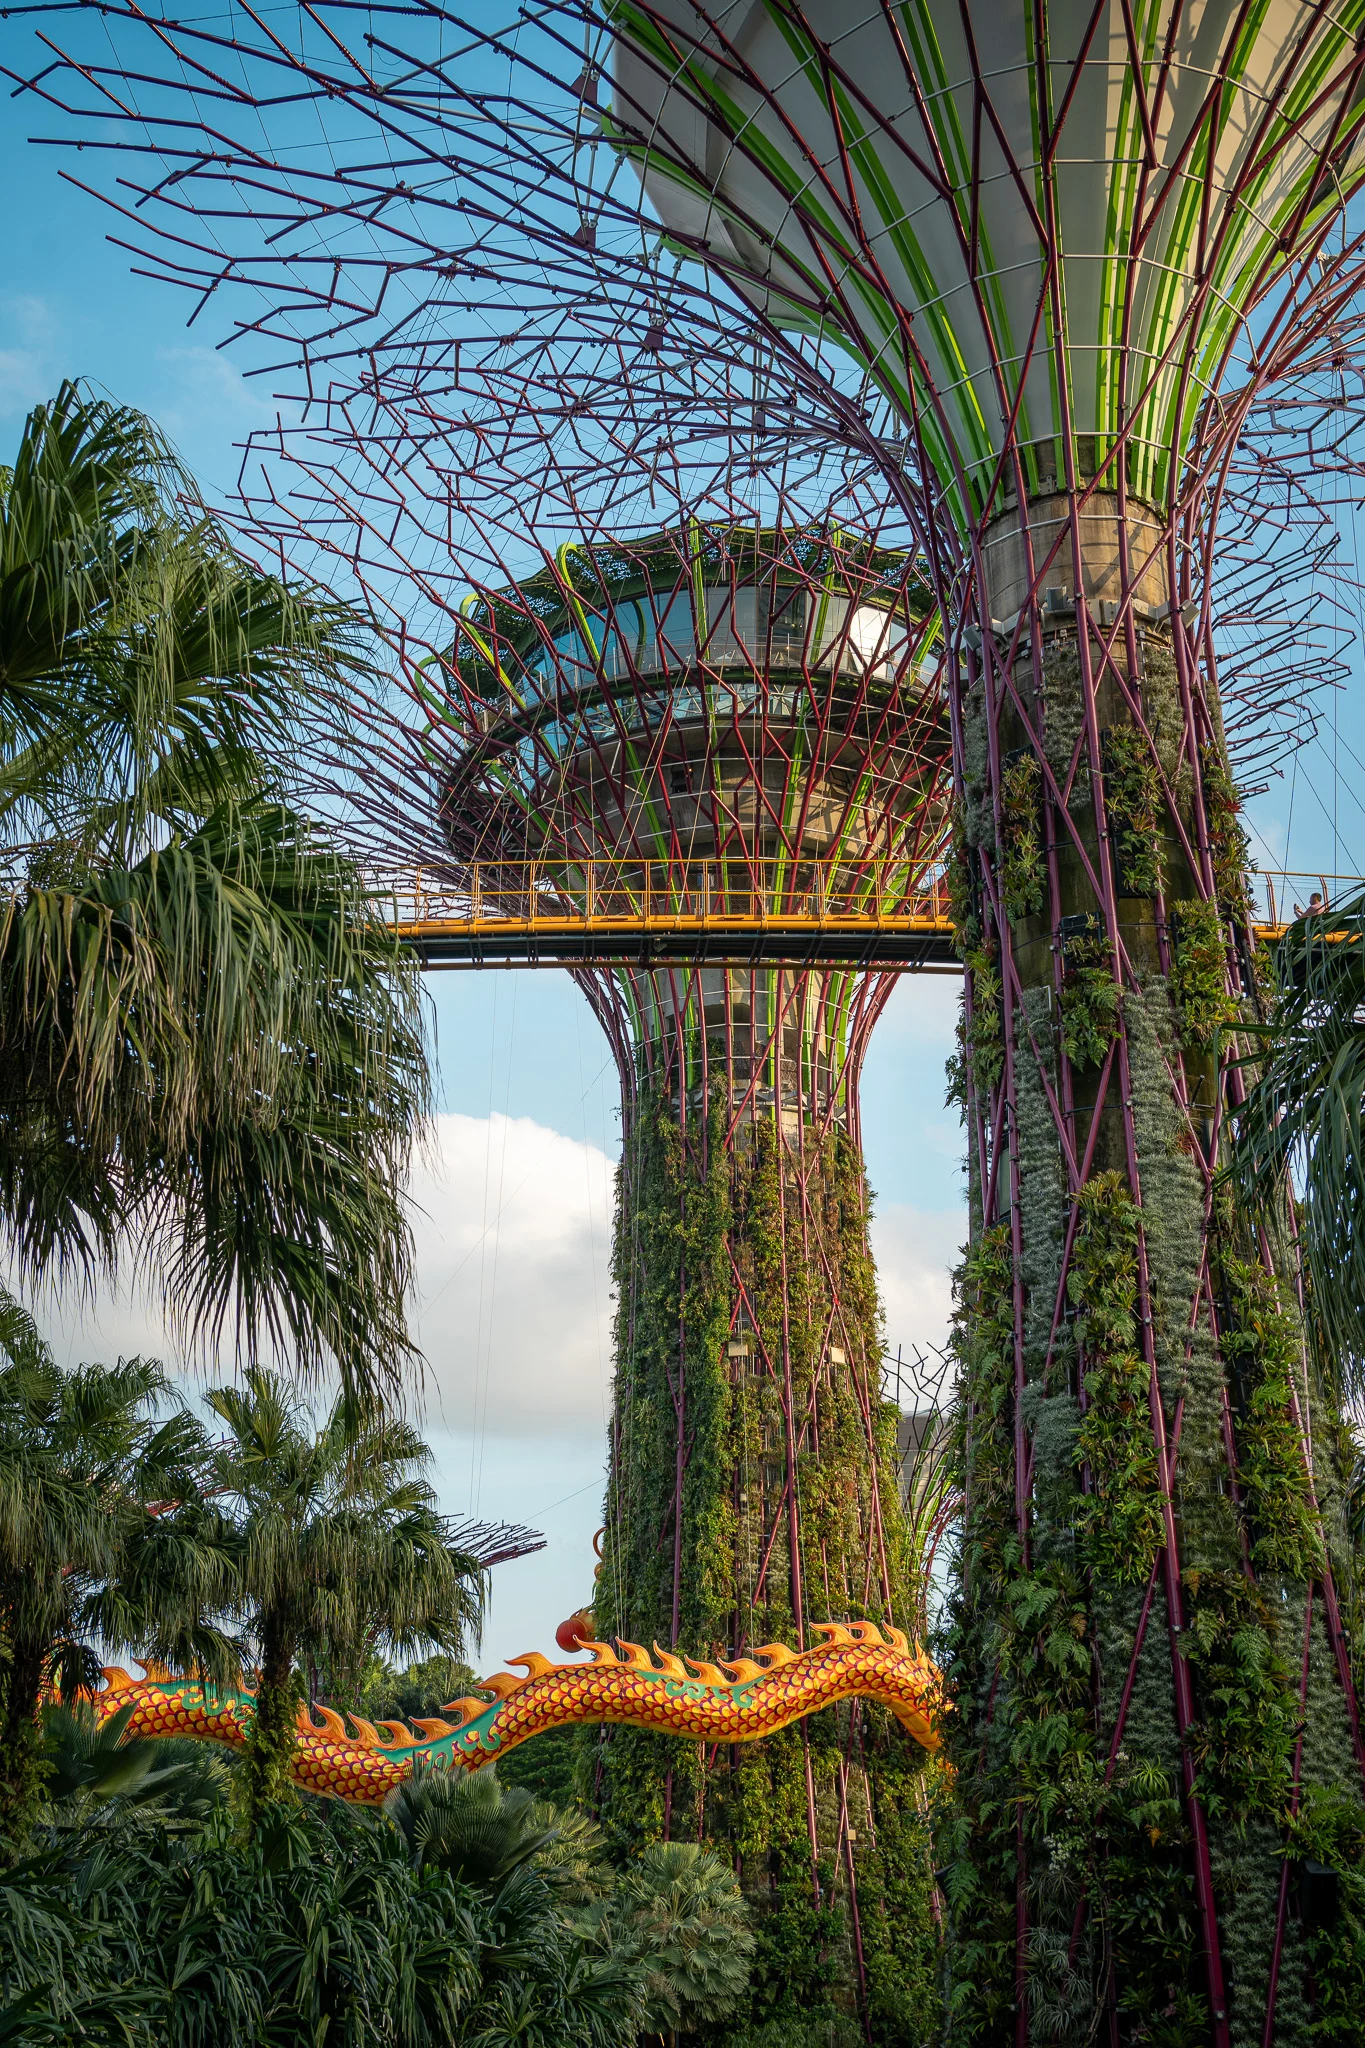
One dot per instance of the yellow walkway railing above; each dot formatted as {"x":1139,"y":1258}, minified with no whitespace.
{"x":875,"y":912}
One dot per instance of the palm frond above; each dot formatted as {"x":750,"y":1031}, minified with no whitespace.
{"x":1302,"y":1120}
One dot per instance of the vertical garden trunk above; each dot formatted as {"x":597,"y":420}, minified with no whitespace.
{"x":753,"y":1491}
{"x":1156,"y":1731}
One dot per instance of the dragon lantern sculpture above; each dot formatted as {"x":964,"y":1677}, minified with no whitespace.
{"x":740,"y":1700}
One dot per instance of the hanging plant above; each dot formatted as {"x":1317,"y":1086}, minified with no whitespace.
{"x":1229,"y":846}
{"x":1022,"y":873}
{"x":1199,"y":972}
{"x":1261,"y":1345}
{"x":1133,"y":800}
{"x":981,"y":1047}
{"x":1121,"y":1517}
{"x":1090,"y":997}
{"x":963,"y":890}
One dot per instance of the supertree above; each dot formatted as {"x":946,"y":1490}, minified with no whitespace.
{"x":742,"y":722}
{"x":741,"y":718}
{"x":1047,"y":234}
{"x":1042,"y":274}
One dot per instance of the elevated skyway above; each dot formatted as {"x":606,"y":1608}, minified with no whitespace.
{"x":660,"y":914}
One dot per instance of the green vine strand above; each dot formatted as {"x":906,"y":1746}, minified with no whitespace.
{"x":1199,"y":987}
{"x":1022,"y":873}
{"x":1090,"y":999}
{"x":1121,"y":1517}
{"x":1133,"y":802}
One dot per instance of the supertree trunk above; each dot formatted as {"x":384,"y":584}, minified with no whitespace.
{"x":1154,"y":1686}
{"x":752,"y":1484}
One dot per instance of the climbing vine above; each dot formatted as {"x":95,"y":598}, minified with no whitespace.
{"x":1261,"y":1343}
{"x":1090,"y":997}
{"x":1120,"y":1517}
{"x":1022,"y":873}
{"x":1133,"y":803}
{"x":1199,"y":973}
{"x":1229,"y":846}
{"x":748,"y":1321}
{"x":963,"y":889}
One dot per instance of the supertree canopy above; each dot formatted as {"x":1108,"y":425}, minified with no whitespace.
{"x":1064,"y":298}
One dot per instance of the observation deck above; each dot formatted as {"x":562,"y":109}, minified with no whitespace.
{"x":605,"y":913}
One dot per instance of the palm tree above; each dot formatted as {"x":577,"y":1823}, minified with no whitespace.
{"x":1303,"y":1115}
{"x":103,"y":1533}
{"x":473,"y":1828}
{"x":340,"y":1548}
{"x":209,"y":1047}
{"x":678,"y":1914}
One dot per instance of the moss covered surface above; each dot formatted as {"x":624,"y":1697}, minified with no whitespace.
{"x":1112,"y":1693}
{"x":752,"y":1491}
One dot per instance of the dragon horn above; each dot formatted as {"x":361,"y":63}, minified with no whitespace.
{"x":743,"y":1668}
{"x":467,"y":1709}
{"x":867,"y":1632}
{"x":602,"y":1653}
{"x":398,"y":1734}
{"x":332,"y":1724}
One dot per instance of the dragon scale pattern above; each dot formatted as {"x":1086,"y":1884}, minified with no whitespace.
{"x":738,"y":1701}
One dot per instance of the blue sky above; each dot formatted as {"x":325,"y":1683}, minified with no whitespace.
{"x":514,"y":1230}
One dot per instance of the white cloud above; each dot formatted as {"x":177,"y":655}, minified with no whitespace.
{"x":203,"y":383}
{"x":28,"y":360}
{"x":915,"y":1250}
{"x":513,"y":1228}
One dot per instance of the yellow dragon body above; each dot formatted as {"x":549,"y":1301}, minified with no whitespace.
{"x":739,"y":1701}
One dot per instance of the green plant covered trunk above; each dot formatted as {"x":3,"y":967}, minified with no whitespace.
{"x":752,"y":1492}
{"x":273,"y":1735}
{"x":1155,"y":1733}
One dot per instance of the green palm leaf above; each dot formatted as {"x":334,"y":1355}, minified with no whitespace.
{"x":1303,"y":1117}
{"x":210,"y":1049}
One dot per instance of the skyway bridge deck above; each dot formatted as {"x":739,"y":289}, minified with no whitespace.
{"x":725,"y":914}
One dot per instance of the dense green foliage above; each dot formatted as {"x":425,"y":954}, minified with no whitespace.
{"x":765,"y":1246}
{"x":155,"y":1927}
{"x":1304,"y":1110}
{"x":211,"y":1067}
{"x":165,"y":1892}
{"x":81,"y":1453}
